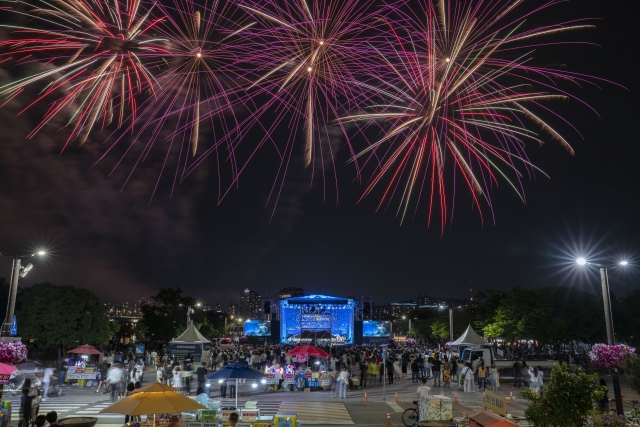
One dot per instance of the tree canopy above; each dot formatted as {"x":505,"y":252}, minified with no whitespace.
{"x":61,"y":316}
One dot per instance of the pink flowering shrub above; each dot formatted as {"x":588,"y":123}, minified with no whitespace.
{"x":243,"y":338}
{"x":447,"y":346}
{"x":392,"y":339}
{"x":610,"y":356}
{"x":411,"y":341}
{"x":13,"y":353}
{"x":225,"y":340}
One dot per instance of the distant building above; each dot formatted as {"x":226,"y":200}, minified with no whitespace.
{"x":250,"y":304}
{"x":424,"y":300}
{"x":400,"y":308}
{"x":290,"y":292}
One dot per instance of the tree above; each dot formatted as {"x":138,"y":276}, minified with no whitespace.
{"x":632,"y":369}
{"x":166,"y":317}
{"x":61,"y":317}
{"x":567,"y":400}
{"x":439,"y":330}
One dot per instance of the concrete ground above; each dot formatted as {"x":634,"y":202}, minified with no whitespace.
{"x":319,"y":407}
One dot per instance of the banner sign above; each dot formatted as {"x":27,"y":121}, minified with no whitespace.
{"x":496,"y":402}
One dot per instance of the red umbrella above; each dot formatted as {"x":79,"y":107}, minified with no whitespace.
{"x":310,"y":350}
{"x":85,"y":349}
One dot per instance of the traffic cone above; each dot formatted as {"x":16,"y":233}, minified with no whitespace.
{"x":397,"y":397}
{"x":455,"y":397}
{"x":365,"y":398}
{"x":511,"y":396}
{"x":388,"y":418}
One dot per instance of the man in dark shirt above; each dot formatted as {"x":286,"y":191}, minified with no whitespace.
{"x":436,"y":364}
{"x":517,"y":369}
{"x":201,"y":372}
{"x":415,"y":376}
{"x":420,"y":362}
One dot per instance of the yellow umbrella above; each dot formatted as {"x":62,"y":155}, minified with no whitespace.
{"x":166,"y":402}
{"x":155,"y":387}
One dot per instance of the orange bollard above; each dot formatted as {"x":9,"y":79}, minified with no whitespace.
{"x":484,"y":397}
{"x":455,"y":397}
{"x":511,"y":396}
{"x":365,"y":398}
{"x":388,"y":418}
{"x":397,"y":397}
{"x":623,"y":398}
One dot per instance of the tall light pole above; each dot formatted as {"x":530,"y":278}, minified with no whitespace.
{"x":611,"y":338}
{"x":13,"y":286}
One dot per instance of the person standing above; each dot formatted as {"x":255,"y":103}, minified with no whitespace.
{"x":201,"y":373}
{"x":176,"y":380}
{"x":223,"y":389}
{"x":540,"y":378}
{"x":446,"y":373}
{"x":467,"y":375}
{"x":436,"y":365}
{"x":343,"y":382}
{"x":482,"y":377}
{"x":414,"y":372}
{"x":517,"y":374}
{"x":154,"y":354}
{"x":423,"y":390}
{"x":603,"y":404}
{"x":25,"y":408}
{"x":46,"y":381}
{"x":187,"y":373}
{"x":363,"y":371}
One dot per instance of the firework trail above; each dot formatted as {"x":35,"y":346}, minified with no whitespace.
{"x":94,"y":51}
{"x":461,"y":96}
{"x":203,"y":79}
{"x":308,"y":52}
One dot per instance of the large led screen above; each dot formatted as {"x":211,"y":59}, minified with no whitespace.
{"x":257,"y":328}
{"x":375,"y":328}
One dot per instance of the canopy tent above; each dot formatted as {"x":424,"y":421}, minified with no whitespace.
{"x":193,"y":342}
{"x":310,"y":350}
{"x":470,"y":337}
{"x":85,"y":349}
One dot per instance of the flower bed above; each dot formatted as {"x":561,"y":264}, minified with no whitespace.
{"x":610,"y":356}
{"x":13,"y":353}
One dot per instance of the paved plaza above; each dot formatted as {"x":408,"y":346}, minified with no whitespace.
{"x":314,"y":408}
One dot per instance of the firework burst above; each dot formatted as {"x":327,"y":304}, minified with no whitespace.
{"x":92,"y":51}
{"x":460,"y":89}
{"x":201,"y":80}
{"x":310,"y":52}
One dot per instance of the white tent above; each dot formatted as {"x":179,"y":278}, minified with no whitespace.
{"x":469,"y":338}
{"x":191,"y":341}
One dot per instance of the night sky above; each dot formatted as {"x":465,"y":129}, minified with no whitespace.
{"x":113,"y":241}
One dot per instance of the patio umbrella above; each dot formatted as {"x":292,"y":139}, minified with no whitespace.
{"x":85,"y":349}
{"x":310,"y":350}
{"x":5,"y":373}
{"x":165,"y":402}
{"x":238,"y":370}
{"x":155,"y":387}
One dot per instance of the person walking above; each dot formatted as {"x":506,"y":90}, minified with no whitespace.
{"x":491,"y":376}
{"x":46,"y":381}
{"x":533,"y":375}
{"x":603,"y":404}
{"x":223,"y":389}
{"x":397,"y":371}
{"x":114,"y":377}
{"x":187,"y":374}
{"x":201,"y":373}
{"x":26,"y":402}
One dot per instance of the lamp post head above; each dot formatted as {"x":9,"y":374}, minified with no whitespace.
{"x":623,"y":263}
{"x":41,"y":253}
{"x":581,"y":261}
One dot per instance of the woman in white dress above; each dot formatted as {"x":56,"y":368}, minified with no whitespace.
{"x":176,"y":382}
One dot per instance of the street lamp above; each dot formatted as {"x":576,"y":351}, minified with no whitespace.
{"x":611,"y":338}
{"x":17,"y":272}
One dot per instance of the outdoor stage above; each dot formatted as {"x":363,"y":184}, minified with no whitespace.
{"x":318,"y":319}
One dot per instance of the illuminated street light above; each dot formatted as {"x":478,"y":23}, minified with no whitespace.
{"x":17,"y":272}
{"x":611,"y":338}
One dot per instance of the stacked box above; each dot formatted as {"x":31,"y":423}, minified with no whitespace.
{"x":429,"y":408}
{"x":446,"y":408}
{"x":436,"y":408}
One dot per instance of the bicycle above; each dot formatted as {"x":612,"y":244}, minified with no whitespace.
{"x":410,"y":417}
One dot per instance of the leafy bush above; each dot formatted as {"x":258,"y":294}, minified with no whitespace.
{"x":598,"y":419}
{"x":567,"y":400}
{"x":631,"y":367}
